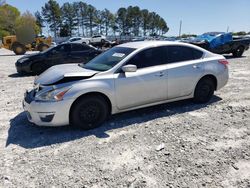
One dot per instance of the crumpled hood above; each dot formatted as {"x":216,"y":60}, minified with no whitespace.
{"x":64,"y":73}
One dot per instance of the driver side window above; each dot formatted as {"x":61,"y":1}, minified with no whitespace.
{"x":61,"y":49}
{"x":149,"y":58}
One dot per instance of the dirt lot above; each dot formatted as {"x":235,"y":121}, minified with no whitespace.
{"x":201,"y":145}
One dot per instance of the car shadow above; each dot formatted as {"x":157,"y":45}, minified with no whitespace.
{"x":27,"y":135}
{"x":9,"y":55}
{"x":232,"y":57}
{"x":18,"y":75}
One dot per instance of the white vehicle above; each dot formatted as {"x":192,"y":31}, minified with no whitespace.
{"x":80,"y":40}
{"x":126,"y":77}
{"x":97,"y":39}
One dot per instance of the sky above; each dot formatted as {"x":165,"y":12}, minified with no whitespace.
{"x":198,"y":16}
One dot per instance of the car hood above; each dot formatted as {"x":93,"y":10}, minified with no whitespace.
{"x":31,"y":56}
{"x":64,"y":73}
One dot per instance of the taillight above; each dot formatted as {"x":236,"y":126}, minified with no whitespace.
{"x":224,"y":62}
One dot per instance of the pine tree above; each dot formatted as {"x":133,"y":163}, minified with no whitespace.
{"x":52,"y":15}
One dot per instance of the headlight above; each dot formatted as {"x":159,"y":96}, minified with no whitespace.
{"x":52,"y":95}
{"x":22,"y":60}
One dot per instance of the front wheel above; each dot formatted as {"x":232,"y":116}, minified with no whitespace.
{"x":89,"y":112}
{"x":204,"y":90}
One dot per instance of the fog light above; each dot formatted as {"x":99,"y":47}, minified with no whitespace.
{"x":46,"y":117}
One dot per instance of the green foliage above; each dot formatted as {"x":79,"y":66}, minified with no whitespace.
{"x":3,"y":33}
{"x":81,"y":9}
{"x":108,"y":19}
{"x":52,"y":15}
{"x":8,"y":17}
{"x":241,"y":33}
{"x":91,"y":16}
{"x":39,"y":21}
{"x":122,"y":21}
{"x":65,"y":31}
{"x":69,"y":17}
{"x":133,"y":20}
{"x":87,"y":19}
{"x":26,"y":28}
{"x":188,"y":35}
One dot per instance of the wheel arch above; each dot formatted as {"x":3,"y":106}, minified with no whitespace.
{"x":105,"y":97}
{"x":209,"y":76}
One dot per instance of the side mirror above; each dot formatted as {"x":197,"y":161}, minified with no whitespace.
{"x":129,"y":68}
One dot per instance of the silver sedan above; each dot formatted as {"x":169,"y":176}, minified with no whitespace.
{"x":126,"y":77}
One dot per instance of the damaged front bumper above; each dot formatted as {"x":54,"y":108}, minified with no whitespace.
{"x":46,"y":113}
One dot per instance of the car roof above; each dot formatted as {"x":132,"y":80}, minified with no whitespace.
{"x":147,"y":44}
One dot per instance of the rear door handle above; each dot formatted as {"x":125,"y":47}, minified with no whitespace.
{"x":196,"y":66}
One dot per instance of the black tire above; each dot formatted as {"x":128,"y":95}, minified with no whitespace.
{"x":41,"y":47}
{"x":18,"y":48}
{"x":89,"y":112}
{"x":204,"y":90}
{"x":38,"y":68}
{"x":238,"y":52}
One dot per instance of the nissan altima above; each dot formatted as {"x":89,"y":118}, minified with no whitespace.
{"x":126,"y":77}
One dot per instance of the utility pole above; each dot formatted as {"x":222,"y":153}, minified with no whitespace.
{"x":227,"y":29}
{"x":180,"y":28}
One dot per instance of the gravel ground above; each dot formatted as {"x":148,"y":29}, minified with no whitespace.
{"x":174,"y":145}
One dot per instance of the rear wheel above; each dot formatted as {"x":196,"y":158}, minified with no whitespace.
{"x":238,"y":52}
{"x":204,"y":90}
{"x":89,"y":112}
{"x":18,"y":48}
{"x":42,"y":47}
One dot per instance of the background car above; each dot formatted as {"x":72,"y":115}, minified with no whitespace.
{"x":97,"y":39}
{"x":80,"y":40}
{"x":126,"y":77}
{"x":61,"y":54}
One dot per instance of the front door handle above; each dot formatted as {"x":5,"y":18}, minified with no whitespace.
{"x":160,"y":74}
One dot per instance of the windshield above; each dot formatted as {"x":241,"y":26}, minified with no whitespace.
{"x":108,"y":59}
{"x":60,"y":48}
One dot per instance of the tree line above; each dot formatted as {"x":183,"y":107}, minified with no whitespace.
{"x":80,"y":18}
{"x":84,"y":19}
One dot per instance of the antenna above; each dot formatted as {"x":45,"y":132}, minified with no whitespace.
{"x":180,"y":28}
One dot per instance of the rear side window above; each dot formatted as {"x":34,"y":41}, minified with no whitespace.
{"x":182,"y":53}
{"x":149,"y":57}
{"x":197,"y":54}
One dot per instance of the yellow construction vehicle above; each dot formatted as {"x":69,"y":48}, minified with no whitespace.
{"x":39,"y":44}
